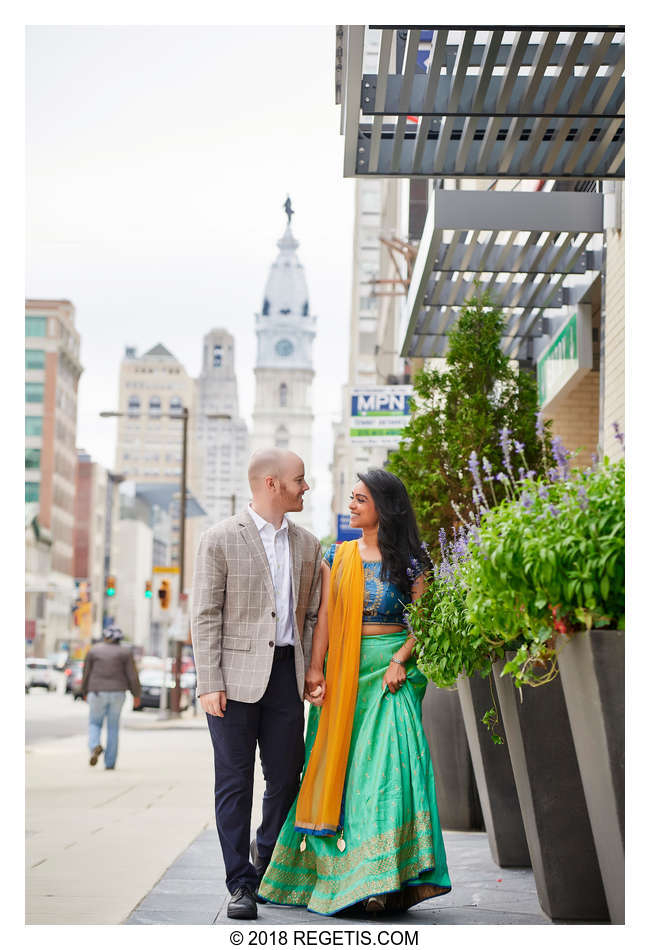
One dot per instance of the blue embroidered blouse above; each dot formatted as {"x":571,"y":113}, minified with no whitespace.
{"x":383,"y":602}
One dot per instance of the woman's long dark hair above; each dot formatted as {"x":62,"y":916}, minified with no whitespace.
{"x":398,"y":537}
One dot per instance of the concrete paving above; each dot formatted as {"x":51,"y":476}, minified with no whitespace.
{"x":193,"y":892}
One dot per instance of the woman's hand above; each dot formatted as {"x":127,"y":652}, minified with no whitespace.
{"x":394,"y":677}
{"x":315,"y":686}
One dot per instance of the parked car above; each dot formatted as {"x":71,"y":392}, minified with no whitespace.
{"x":73,"y":674}
{"x":151,"y":683}
{"x":39,"y":673}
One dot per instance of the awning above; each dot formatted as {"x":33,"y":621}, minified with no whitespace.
{"x":513,"y":102}
{"x":516,"y":246}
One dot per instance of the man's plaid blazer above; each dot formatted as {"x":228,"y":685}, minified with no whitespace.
{"x":233,"y":607}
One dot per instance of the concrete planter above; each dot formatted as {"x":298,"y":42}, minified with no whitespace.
{"x":553,"y":807}
{"x":494,"y":778}
{"x":592,"y":672}
{"x":458,"y":802}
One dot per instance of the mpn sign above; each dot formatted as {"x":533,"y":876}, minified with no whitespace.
{"x":379,"y":414}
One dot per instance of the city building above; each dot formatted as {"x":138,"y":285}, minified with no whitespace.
{"x":90,"y":526}
{"x":221,"y":435}
{"x":153,"y":391}
{"x":134,"y":551}
{"x":38,"y":565}
{"x":52,"y":371}
{"x":285,"y":329}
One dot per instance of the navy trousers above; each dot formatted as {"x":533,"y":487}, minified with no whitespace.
{"x":277,"y":723}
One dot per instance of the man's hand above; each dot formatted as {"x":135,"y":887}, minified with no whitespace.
{"x":214,"y":703}
{"x":136,"y":702}
{"x":315,"y":686}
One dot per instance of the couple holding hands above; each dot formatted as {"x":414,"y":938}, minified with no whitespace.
{"x":273,"y":624}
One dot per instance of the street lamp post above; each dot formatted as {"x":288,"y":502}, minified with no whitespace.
{"x":184,"y":415}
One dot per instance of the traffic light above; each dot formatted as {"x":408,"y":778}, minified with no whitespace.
{"x":147,"y":590}
{"x":110,"y":586}
{"x":165,"y":594}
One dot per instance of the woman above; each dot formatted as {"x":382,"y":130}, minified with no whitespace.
{"x":364,"y":827}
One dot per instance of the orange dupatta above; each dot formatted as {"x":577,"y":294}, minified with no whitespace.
{"x":318,"y":808}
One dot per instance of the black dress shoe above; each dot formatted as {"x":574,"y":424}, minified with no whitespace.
{"x":242,"y":904}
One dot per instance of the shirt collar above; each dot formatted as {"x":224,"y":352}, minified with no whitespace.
{"x":261,"y":524}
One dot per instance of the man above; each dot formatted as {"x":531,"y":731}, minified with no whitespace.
{"x":108,"y":672}
{"x":255,"y":602}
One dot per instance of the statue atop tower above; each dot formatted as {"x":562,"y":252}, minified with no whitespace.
{"x":285,"y":329}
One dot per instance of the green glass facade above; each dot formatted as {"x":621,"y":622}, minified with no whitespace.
{"x":34,"y":392}
{"x":33,"y":425}
{"x":35,"y":326}
{"x":32,"y":491}
{"x":34,"y":359}
{"x":32,"y":458}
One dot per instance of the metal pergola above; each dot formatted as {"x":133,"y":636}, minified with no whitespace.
{"x":518,"y":246}
{"x":515,"y":102}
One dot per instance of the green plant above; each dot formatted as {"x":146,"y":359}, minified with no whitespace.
{"x":549,"y":559}
{"x":462,"y":409}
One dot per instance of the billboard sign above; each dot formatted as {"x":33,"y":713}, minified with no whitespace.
{"x":379,"y":414}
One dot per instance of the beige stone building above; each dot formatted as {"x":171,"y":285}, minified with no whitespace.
{"x":153,"y":389}
{"x":52,"y":371}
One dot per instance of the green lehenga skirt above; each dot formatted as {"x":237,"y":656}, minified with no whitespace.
{"x":390,"y":818}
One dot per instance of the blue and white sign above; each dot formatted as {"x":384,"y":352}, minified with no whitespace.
{"x":379,"y":414}
{"x":343,"y":530}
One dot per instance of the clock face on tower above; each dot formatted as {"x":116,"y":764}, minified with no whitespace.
{"x":284,"y":347}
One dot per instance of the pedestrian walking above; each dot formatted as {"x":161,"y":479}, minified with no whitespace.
{"x":255,"y":603}
{"x":109,"y":670}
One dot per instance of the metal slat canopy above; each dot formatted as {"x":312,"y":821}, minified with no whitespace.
{"x":519,"y":247}
{"x":515,"y":102}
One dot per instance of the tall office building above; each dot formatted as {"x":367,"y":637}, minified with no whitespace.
{"x":221,"y":435}
{"x":153,"y":389}
{"x":52,"y":371}
{"x":285,"y":328}
{"x":90,"y":529}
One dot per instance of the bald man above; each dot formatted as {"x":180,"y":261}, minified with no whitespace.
{"x":255,"y":603}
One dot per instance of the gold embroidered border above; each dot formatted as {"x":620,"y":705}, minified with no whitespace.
{"x":292,"y":883}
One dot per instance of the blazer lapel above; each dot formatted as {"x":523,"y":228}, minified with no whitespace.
{"x":296,"y":563}
{"x":252,"y":538}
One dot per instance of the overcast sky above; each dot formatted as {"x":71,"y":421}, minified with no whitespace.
{"x":158,"y":161}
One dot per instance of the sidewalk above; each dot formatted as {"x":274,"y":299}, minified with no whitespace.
{"x":138,"y":845}
{"x":98,"y":841}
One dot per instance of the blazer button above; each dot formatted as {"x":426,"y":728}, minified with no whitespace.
{"x":271,"y":643}
{"x":273,"y":613}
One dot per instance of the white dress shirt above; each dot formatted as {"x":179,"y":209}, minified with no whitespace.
{"x":276,"y":546}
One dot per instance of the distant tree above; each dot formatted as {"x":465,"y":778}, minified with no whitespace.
{"x":462,"y":409}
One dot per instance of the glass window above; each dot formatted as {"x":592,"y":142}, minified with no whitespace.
{"x":34,"y":359}
{"x":35,"y":326}
{"x":154,"y":406}
{"x":133,"y":406}
{"x":216,"y":355}
{"x":175,"y":405}
{"x":282,"y":437}
{"x":31,"y":491}
{"x":32,"y":458}
{"x":33,"y":425}
{"x":283,"y":394}
{"x":34,"y":392}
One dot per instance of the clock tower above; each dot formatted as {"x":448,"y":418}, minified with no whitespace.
{"x":285,"y":330}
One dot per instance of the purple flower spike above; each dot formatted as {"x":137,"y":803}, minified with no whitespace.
{"x":521,"y":474}
{"x":504,"y":439}
{"x":474,"y":469}
{"x":561,"y":456}
{"x":487,"y":468}
{"x":618,"y":435}
{"x":583,"y":501}
{"x":501,"y":477}
{"x":531,"y":474}
{"x":519,"y":446}
{"x":442,"y":539}
{"x":539,"y":425}
{"x":542,"y":491}
{"x":526,"y":500}
{"x":553,"y":510}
